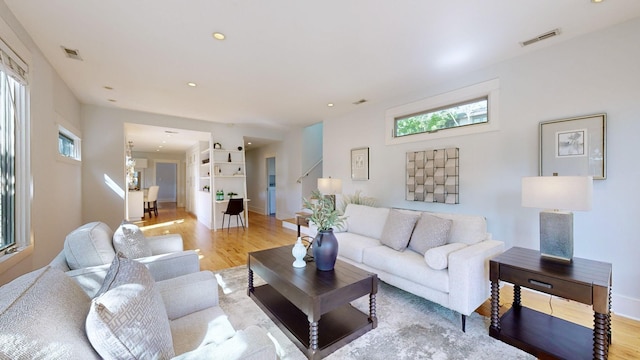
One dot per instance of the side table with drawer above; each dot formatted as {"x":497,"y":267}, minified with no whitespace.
{"x":542,"y":335}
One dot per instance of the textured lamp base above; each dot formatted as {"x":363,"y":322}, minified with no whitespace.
{"x":556,"y":235}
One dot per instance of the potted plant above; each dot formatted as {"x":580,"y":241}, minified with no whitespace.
{"x":325,"y":217}
{"x":231,"y":194}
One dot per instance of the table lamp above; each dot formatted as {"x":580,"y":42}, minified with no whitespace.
{"x":330,"y":187}
{"x":562,"y":194}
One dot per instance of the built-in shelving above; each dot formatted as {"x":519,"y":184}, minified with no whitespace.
{"x":218,"y":170}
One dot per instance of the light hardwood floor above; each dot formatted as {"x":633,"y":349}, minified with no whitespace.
{"x":223,"y":249}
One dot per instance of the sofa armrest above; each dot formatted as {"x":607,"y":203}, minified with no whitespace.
{"x":252,"y":343}
{"x":60,"y":262}
{"x":161,"y":267}
{"x":469,"y":275}
{"x":186,"y":294}
{"x":163,"y":244}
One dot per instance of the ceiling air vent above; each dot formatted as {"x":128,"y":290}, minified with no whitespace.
{"x":71,"y":53}
{"x":544,"y":36}
{"x":361,"y":101}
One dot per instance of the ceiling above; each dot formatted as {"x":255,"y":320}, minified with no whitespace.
{"x":284,"y":61}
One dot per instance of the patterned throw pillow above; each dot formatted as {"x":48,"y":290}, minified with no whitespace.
{"x":127,"y":319}
{"x":431,"y":231}
{"x":130,"y":241}
{"x":398,"y":228}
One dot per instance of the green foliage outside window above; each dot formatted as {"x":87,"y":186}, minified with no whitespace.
{"x":468,"y":113}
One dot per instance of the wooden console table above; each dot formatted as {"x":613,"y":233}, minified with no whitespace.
{"x":543,"y":335}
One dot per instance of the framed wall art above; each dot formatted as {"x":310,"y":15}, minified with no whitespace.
{"x":574,"y":147}
{"x":360,"y":163}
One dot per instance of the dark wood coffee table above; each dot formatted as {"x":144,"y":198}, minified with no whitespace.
{"x":312,"y":307}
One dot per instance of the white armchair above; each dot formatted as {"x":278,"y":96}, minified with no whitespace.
{"x":89,"y":250}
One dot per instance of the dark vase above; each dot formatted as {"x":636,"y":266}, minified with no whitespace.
{"x":325,"y":250}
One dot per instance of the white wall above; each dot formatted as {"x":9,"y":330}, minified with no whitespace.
{"x":596,"y":73}
{"x":56,"y":183}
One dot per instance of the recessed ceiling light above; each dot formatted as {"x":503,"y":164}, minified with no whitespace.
{"x":596,"y":1}
{"x":218,"y":36}
{"x":192,"y":84}
{"x":249,"y":143}
{"x":330,"y":104}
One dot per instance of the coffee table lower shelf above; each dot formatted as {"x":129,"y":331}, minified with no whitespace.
{"x":335,"y":328}
{"x":543,"y":335}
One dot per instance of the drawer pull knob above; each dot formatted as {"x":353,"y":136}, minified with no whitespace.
{"x":540,"y":283}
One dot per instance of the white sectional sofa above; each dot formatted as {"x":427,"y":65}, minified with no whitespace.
{"x":441,"y":257}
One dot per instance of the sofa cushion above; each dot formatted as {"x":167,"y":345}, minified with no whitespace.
{"x":208,"y":326}
{"x":127,"y":319}
{"x":397,"y":229}
{"x":408,"y":265}
{"x":352,"y":246}
{"x":438,"y":257}
{"x":366,"y":220}
{"x":430,"y":231}
{"x":89,"y":245}
{"x":130,"y":241}
{"x":466,"y":229}
{"x":42,"y":316}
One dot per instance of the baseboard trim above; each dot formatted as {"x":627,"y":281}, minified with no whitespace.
{"x":625,"y":306}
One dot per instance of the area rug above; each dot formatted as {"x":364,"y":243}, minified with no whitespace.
{"x":409,"y":327}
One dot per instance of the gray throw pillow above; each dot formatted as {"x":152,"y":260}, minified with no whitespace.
{"x":398,"y":228}
{"x":431,"y":231}
{"x":89,"y":245}
{"x":130,"y":241}
{"x":127,"y":319}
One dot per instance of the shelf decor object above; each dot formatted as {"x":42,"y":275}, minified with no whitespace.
{"x":574,"y":147}
{"x":562,"y":194}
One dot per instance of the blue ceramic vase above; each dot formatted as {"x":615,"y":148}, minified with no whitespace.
{"x":325,"y":250}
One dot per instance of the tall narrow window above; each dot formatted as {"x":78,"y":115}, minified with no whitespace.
{"x":13,"y":93}
{"x":68,"y":143}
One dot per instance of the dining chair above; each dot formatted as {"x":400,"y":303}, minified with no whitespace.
{"x":234,"y":208}
{"x":151,"y":201}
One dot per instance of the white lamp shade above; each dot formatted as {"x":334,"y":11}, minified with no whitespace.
{"x":329,"y":186}
{"x":558,"y":192}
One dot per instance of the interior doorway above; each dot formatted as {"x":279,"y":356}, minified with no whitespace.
{"x":167,"y":180}
{"x":271,"y":186}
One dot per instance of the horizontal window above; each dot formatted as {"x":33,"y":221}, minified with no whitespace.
{"x":463,"y":114}
{"x":469,"y":110}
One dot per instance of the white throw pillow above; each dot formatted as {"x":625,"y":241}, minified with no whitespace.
{"x":127,"y":319}
{"x":366,"y":220}
{"x":438,"y":257}
{"x":42,"y":314}
{"x":89,"y":245}
{"x":398,"y":228}
{"x":431,"y":231}
{"x":130,"y":241}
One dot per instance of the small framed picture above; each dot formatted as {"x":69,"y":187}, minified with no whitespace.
{"x":360,"y":163}
{"x":574,"y":147}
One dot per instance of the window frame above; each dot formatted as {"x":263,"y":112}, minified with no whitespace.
{"x":65,"y":131}
{"x":489,"y":89}
{"x":23,"y":193}
{"x":434,"y":111}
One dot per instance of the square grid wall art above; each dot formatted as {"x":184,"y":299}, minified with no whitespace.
{"x":432,"y":176}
